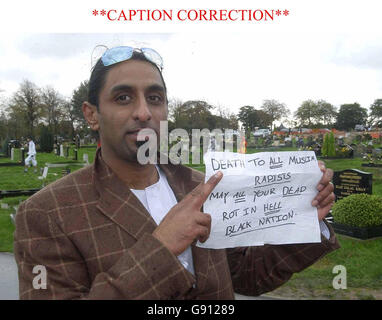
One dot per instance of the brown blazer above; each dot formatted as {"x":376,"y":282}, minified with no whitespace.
{"x":94,"y":238}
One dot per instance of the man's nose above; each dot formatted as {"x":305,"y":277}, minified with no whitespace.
{"x":142,"y":111}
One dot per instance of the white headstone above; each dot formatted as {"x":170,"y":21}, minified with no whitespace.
{"x":44,"y":173}
{"x":4,"y":206}
{"x":13,"y":154}
{"x":86,"y":158}
{"x":61,"y":150}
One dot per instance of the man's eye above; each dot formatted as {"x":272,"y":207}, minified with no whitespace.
{"x":123,"y":98}
{"x":155,"y":99}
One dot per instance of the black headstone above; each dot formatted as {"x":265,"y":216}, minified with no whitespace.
{"x":351,"y":181}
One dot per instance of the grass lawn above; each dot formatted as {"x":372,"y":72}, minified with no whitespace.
{"x":363,"y":263}
{"x":362,"y":258}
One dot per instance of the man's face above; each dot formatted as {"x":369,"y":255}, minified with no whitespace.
{"x":132,"y":98}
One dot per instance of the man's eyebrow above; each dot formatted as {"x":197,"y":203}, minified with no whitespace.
{"x":121,"y":87}
{"x":126,"y":87}
{"x":155,"y":87}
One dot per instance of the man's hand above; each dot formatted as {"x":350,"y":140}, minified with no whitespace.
{"x":325,"y":198}
{"x":185,"y":223}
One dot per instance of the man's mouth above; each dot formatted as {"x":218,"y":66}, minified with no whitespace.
{"x":143,"y":134}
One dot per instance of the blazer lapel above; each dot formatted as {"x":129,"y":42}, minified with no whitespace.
{"x":119,"y":204}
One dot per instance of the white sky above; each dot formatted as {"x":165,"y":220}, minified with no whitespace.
{"x":334,"y":53}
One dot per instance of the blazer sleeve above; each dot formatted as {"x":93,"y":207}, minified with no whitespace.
{"x":256,"y":270}
{"x":147,"y":270}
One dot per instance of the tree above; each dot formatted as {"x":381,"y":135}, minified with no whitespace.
{"x":306,"y":113}
{"x":315,"y":113}
{"x":328,"y":146}
{"x":331,"y":145}
{"x":326,"y":113}
{"x":349,"y":115}
{"x":325,"y":145}
{"x":69,"y":117}
{"x":79,"y":96}
{"x":252,"y":118}
{"x":52,"y":102}
{"x":27,"y":103}
{"x":247,"y":117}
{"x":275,"y":109}
{"x":46,"y":139}
{"x":376,"y":111}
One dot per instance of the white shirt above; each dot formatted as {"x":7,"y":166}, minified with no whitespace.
{"x":158,"y":199}
{"x":31,"y":148}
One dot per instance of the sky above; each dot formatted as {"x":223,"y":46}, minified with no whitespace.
{"x":338,"y":61}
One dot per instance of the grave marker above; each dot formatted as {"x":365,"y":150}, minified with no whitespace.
{"x":86,"y":158}
{"x":351,"y":181}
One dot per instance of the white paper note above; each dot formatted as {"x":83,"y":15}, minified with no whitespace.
{"x":263,"y":198}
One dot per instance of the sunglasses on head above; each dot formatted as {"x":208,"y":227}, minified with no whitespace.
{"x":119,"y":54}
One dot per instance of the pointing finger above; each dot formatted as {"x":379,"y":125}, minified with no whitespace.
{"x":203,"y":190}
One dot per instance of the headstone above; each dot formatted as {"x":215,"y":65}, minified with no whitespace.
{"x":86,"y":158}
{"x":22,"y":155}
{"x":4,"y":206}
{"x":44,"y":173}
{"x":62,"y":150}
{"x":351,"y":181}
{"x":13,"y":154}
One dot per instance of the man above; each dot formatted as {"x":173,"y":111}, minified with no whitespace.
{"x":31,"y":156}
{"x":121,"y":230}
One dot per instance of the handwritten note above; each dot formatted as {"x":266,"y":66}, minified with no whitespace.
{"x":263,"y":198}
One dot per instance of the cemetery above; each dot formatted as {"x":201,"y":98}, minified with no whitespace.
{"x":356,"y":216}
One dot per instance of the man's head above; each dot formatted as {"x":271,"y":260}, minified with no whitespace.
{"x":125,"y":97}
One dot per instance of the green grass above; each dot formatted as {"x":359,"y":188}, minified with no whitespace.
{"x":361,"y":258}
{"x":6,"y":230}
{"x":14,"y":178}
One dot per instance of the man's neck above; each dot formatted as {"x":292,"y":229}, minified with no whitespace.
{"x":135,"y":175}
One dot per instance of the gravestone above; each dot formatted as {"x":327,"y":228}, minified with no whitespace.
{"x":13,"y":154}
{"x":351,"y":181}
{"x":86,"y":158}
{"x":44,"y":173}
{"x":62,"y":150}
{"x":22,"y":155}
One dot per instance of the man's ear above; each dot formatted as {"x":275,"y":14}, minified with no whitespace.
{"x":91,"y":115}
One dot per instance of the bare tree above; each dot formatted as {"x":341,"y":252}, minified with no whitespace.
{"x":27,"y":103}
{"x":52,"y":103}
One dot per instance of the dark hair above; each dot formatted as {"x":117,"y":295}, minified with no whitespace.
{"x":99,"y":73}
